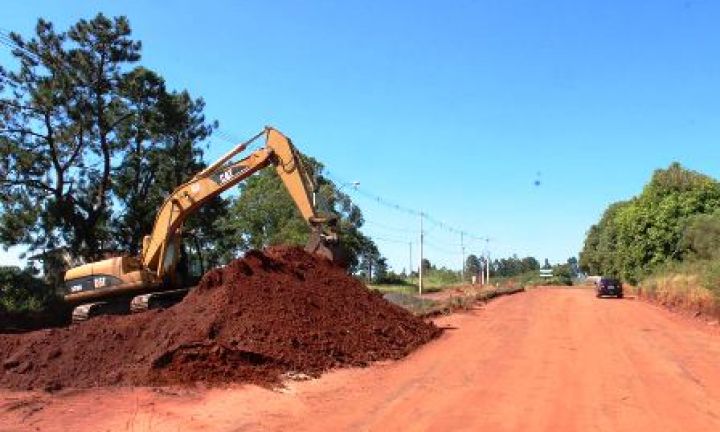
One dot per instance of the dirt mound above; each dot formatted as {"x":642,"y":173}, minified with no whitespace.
{"x":251,"y":321}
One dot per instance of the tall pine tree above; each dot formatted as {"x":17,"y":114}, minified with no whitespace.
{"x":90,"y":141}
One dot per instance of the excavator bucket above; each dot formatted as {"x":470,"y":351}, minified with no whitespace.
{"x":330,"y":249}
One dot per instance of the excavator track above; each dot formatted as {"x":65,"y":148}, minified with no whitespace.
{"x":86,"y":311}
{"x":140,"y":303}
{"x":157,"y":300}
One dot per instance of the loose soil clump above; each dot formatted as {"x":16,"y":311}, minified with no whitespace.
{"x":270,"y":313}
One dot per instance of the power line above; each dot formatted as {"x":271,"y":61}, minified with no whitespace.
{"x":398,"y":207}
{"x":392,"y":228}
{"x":438,"y":246}
{"x":390,"y":240}
{"x":437,"y":240}
{"x":378,"y":199}
{"x":440,"y":249}
{"x":7,"y":40}
{"x":226,"y":136}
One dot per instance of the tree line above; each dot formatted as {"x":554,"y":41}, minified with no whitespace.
{"x":676,"y":218}
{"x":92,"y":142}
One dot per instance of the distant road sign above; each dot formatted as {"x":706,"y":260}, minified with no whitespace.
{"x":546,"y":273}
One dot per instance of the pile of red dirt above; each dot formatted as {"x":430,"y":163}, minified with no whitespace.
{"x":281,"y":311}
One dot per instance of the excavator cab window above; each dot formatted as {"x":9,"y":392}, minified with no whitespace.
{"x":190,"y":266}
{"x":195,"y":266}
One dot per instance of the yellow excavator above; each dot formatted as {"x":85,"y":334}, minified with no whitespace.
{"x":135,"y":283}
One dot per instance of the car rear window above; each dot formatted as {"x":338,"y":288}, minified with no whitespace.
{"x":606,"y":282}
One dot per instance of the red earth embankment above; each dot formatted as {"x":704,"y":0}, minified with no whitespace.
{"x":254,"y":320}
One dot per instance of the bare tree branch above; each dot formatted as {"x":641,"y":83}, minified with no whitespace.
{"x":20,"y":106}
{"x":37,"y":184}
{"x":120,"y":120}
{"x":24,"y":131}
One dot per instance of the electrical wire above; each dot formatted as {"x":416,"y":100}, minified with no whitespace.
{"x":398,"y":207}
{"x":440,"y":249}
{"x":437,"y":240}
{"x":391,"y":228}
{"x":390,"y":240}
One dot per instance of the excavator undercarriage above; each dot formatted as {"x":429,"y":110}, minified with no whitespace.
{"x":125,"y":305}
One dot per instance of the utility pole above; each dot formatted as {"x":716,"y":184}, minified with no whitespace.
{"x":483,"y":263}
{"x":487,"y":278}
{"x":411,"y":261}
{"x":462,"y":262}
{"x":420,"y":270}
{"x":369,"y":275}
{"x":487,"y":248}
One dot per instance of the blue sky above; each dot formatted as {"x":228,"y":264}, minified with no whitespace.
{"x":454,"y":108}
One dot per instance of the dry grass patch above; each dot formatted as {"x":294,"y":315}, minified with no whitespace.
{"x":680,"y":291}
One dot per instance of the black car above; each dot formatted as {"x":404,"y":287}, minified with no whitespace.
{"x":609,"y":287}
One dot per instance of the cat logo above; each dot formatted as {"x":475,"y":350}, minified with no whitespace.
{"x":226,"y":176}
{"x":229,"y":174}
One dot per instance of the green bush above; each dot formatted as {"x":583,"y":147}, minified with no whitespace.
{"x":22,"y":291}
{"x":673,"y":219}
{"x":444,"y":276}
{"x":710,"y":278}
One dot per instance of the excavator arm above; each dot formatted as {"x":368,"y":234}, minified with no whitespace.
{"x":160,"y":248}
{"x":291,"y":170}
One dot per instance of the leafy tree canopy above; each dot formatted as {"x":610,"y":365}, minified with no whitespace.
{"x":662,"y":224}
{"x":91,"y":141}
{"x":472,"y":266}
{"x":265,"y":214}
{"x":513,"y":266}
{"x":21,"y":290}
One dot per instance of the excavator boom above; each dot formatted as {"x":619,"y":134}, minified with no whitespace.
{"x":159,"y":250}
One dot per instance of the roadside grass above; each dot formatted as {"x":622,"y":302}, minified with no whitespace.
{"x":428,"y":308}
{"x":690,"y":286}
{"x":439,"y":280}
{"x":431,"y":283}
{"x":418,"y":306}
{"x":464,"y":297}
{"x":436,"y":281}
{"x":529,"y":279}
{"x":394,"y":288}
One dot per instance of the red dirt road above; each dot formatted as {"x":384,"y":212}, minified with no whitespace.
{"x":545,"y":360}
